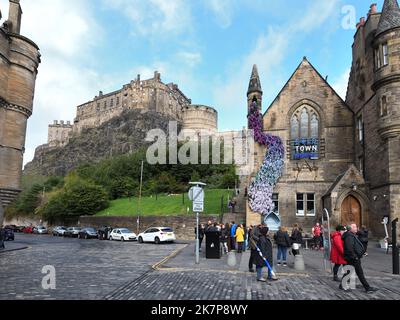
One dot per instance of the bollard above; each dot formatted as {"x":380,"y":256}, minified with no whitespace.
{"x":232,"y":259}
{"x":395,"y":248}
{"x":299,"y":263}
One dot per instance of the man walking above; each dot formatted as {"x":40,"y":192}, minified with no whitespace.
{"x":353,"y":252}
{"x":254,"y":237}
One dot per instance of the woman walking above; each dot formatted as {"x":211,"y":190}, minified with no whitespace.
{"x":337,"y":251}
{"x":265,"y":246}
{"x":239,"y":235}
{"x":283,"y":242}
{"x":224,"y":237}
{"x":297,"y":239}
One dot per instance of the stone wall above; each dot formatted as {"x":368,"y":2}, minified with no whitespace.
{"x":182,"y":225}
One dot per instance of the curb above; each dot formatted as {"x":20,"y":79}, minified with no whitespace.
{"x":11,"y":250}
{"x":166,"y":259}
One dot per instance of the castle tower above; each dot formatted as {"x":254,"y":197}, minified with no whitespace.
{"x":255,"y":90}
{"x":387,"y":88}
{"x":19,"y":61}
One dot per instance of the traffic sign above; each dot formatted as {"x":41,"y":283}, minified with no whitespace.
{"x":196,"y":194}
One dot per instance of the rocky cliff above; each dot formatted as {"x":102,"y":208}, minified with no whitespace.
{"x":121,"y":135}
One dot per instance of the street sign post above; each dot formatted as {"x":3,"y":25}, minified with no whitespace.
{"x":196,"y":194}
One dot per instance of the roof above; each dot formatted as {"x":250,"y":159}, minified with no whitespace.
{"x":305,"y":62}
{"x":255,"y":83}
{"x":390,"y":17}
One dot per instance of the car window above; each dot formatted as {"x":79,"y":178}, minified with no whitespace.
{"x":167,"y":230}
{"x":126,"y":231}
{"x":119,"y":231}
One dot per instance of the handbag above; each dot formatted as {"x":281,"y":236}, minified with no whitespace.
{"x":296,"y":246}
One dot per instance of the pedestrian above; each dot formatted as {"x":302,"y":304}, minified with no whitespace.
{"x":224,"y":237}
{"x":296,"y":239}
{"x":229,"y":241}
{"x":316,"y":232}
{"x":254,"y":236}
{"x":239,"y":238}
{"x":2,"y":238}
{"x":201,"y":234}
{"x":337,"y":251}
{"x":363,"y":236}
{"x":233,"y":235}
{"x":265,"y":246}
{"x":282,"y":240}
{"x":353,"y":252}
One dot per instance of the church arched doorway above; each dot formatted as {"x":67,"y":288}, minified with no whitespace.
{"x":351,"y":211}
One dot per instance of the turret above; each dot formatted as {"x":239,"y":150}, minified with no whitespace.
{"x":387,"y":69}
{"x":255,"y":91}
{"x":14,"y":17}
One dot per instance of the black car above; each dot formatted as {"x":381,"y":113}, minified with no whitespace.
{"x":8,"y":234}
{"x":87,"y":233}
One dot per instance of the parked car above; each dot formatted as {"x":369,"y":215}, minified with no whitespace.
{"x":104,"y":233}
{"x":157,"y":235}
{"x":20,"y":229}
{"x":72,"y":232}
{"x":123,"y":234}
{"x":40,"y":230}
{"x":8,"y":234}
{"x":87,"y":233}
{"x":59,"y":231}
{"x":28,"y":230}
{"x":12,"y":227}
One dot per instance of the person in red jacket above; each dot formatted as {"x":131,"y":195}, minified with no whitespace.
{"x":337,"y":251}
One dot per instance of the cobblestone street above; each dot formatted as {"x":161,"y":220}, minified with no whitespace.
{"x":92,"y":269}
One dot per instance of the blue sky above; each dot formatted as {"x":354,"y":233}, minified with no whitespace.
{"x":207,"y":47}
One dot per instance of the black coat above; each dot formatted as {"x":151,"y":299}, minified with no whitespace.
{"x":363,"y":235}
{"x":353,"y":247}
{"x":265,"y":245}
{"x":224,"y":235}
{"x":296,"y":237}
{"x":254,"y":235}
{"x":282,"y":239}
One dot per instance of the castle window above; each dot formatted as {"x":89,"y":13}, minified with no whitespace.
{"x":385,"y":52}
{"x":304,"y":123}
{"x":112,"y":103}
{"x":305,"y":204}
{"x":300,"y":204}
{"x":117,"y":101}
{"x":307,"y":127}
{"x":98,"y":107}
{"x":295,"y":126}
{"x":378,"y":63}
{"x":384,"y":110}
{"x":275,"y":199}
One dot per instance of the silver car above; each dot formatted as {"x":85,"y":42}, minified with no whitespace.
{"x":40,"y":230}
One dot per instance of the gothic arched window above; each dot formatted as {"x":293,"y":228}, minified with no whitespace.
{"x":307,"y":126}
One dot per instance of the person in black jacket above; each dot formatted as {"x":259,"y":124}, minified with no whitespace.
{"x":224,"y":237}
{"x":353,"y":252}
{"x":201,"y":234}
{"x":283,"y":242}
{"x":296,"y":239}
{"x":265,"y":246}
{"x":254,"y":236}
{"x":363,"y":236}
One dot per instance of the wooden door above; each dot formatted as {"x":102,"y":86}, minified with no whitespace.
{"x":351,"y":211}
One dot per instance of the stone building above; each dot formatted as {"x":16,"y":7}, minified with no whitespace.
{"x":150,"y":95}
{"x":340,"y":155}
{"x":19,"y":61}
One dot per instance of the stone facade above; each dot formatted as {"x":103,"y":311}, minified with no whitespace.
{"x":19,"y":61}
{"x":358,"y":158}
{"x":150,"y":95}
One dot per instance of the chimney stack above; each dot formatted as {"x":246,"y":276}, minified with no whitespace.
{"x":373,"y":8}
{"x":14,"y":17}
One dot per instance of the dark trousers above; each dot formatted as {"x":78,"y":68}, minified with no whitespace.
{"x":295,"y":252}
{"x":240,"y":247}
{"x":251,"y":260}
{"x":360,"y":273}
{"x":336,"y":269}
{"x":200,"y":242}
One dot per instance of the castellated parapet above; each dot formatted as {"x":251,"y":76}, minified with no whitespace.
{"x":150,"y":95}
{"x":19,"y":61}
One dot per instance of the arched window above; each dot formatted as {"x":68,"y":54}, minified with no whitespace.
{"x":384,"y":109}
{"x":294,"y":126}
{"x":307,"y":126}
{"x":304,"y":123}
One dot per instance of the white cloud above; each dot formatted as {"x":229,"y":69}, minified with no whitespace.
{"x":191,"y":59}
{"x":340,"y":84}
{"x":223,"y":11}
{"x":155,"y":17}
{"x":269,"y":52}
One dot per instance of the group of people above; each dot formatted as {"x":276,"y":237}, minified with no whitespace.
{"x":349,"y":246}
{"x":232,"y":236}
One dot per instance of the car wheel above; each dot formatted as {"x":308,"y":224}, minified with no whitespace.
{"x":122,"y":239}
{"x":140,"y":240}
{"x":86,"y":236}
{"x":79,"y":236}
{"x":157,"y":240}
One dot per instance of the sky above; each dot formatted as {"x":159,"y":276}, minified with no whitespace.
{"x":207,"y":47}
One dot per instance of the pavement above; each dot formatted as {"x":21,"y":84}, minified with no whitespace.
{"x":105,"y":270}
